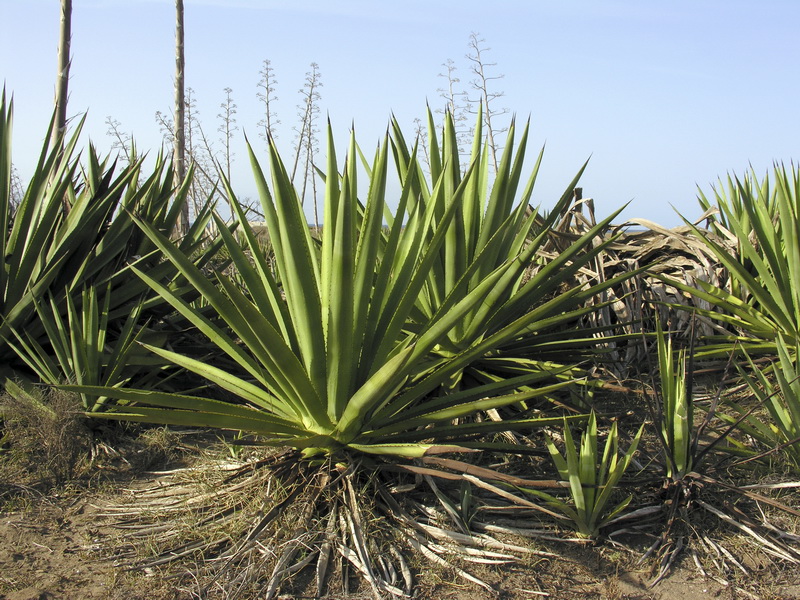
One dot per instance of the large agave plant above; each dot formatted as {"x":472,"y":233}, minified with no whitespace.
{"x":330,"y":353}
{"x":321,"y":347}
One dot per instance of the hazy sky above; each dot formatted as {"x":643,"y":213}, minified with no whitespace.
{"x":664,"y":96}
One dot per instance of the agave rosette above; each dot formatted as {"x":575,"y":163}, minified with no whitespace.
{"x":592,"y":477}
{"x":328,"y":351}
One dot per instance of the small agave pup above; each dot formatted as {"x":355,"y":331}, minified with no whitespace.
{"x":688,"y":470}
{"x":592,"y":478}
{"x":677,"y":411}
{"x":83,"y":349}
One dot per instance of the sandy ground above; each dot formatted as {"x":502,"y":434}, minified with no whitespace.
{"x":56,"y":547}
{"x":60,"y":544}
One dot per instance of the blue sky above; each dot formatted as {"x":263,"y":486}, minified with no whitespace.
{"x":664,"y":96}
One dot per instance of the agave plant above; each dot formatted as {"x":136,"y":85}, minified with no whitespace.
{"x":74,"y":231}
{"x":328,"y":361}
{"x":729,"y":209}
{"x":84,"y":350}
{"x":687,"y":468}
{"x":497,"y":231}
{"x":764,"y":296}
{"x":782,"y":401}
{"x":327,"y":354}
{"x":592,"y":478}
{"x":676,"y":422}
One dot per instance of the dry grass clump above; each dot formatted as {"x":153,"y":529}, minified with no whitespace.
{"x":45,"y":435}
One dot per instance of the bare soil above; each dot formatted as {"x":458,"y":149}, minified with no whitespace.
{"x":54,"y":548}
{"x":58,"y":544}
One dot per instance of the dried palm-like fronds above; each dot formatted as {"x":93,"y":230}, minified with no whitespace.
{"x":250,"y":527}
{"x":656,"y":258}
